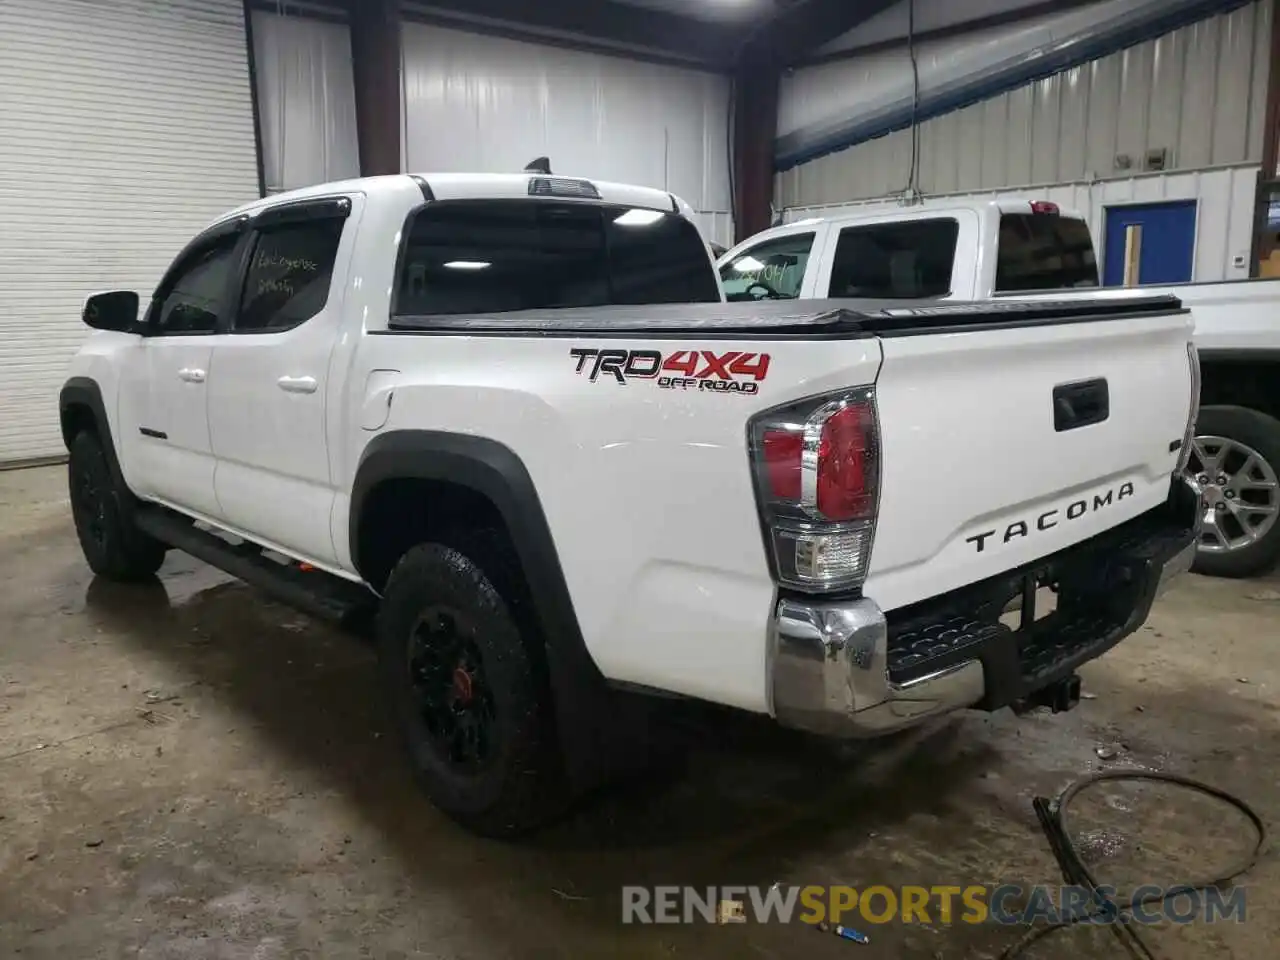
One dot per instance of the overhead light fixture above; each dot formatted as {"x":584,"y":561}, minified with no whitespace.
{"x":468,"y":265}
{"x":639,"y":218}
{"x":747,"y":264}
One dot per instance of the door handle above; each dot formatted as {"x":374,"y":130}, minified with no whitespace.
{"x":191,"y":375}
{"x":297,"y":384}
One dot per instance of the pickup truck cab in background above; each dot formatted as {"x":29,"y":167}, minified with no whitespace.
{"x":1029,"y":249}
{"x":513,"y":418}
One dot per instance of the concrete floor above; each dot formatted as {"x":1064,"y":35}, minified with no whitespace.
{"x":189,"y":771}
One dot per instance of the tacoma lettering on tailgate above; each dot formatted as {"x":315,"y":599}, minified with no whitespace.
{"x":1051,"y":518}
{"x":732,"y":372}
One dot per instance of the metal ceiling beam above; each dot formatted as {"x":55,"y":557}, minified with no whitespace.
{"x":798,"y":27}
{"x":595,"y":24}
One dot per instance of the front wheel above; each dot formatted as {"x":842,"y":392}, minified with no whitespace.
{"x":112,"y":545}
{"x":467,"y":694}
{"x":1235,"y":467}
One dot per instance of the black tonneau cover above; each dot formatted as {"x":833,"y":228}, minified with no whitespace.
{"x":792,"y":318}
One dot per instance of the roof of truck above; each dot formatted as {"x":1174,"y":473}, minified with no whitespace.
{"x":933,"y":208}
{"x":469,"y":186}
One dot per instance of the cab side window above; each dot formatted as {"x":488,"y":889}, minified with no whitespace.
{"x":773,"y":270}
{"x":909,"y":260}
{"x":289,"y":271}
{"x":196,"y":292}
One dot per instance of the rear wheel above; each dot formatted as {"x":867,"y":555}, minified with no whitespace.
{"x":468,"y":694}
{"x":112,"y":545}
{"x":1235,"y":467}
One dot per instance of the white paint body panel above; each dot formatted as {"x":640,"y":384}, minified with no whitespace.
{"x":648,"y":493}
{"x":970,"y":447}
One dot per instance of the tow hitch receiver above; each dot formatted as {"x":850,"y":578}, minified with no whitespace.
{"x":1060,"y":696}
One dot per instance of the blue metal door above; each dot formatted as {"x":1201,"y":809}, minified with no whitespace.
{"x":1168,"y":241}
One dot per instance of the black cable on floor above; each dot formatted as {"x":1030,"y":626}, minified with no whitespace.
{"x":1053,"y":820}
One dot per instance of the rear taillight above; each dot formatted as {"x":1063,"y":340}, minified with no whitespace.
{"x":817,"y":470}
{"x":1045,"y":207}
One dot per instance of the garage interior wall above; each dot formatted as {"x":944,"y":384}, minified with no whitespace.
{"x":306,"y":100}
{"x":127,"y":127}
{"x":1197,"y":93}
{"x":475,"y":102}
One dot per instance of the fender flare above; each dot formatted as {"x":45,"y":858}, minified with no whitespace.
{"x":496,"y":472}
{"x":84,"y":392}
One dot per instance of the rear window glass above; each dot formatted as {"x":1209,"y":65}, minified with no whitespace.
{"x":499,"y":256}
{"x":1044,"y":252}
{"x":893,"y":261}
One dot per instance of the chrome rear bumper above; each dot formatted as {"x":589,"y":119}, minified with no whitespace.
{"x":832,"y":672}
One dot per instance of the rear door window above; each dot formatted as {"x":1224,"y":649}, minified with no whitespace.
{"x":498,"y":256}
{"x":1040,"y":251}
{"x":910,"y":260}
{"x":772,"y":270}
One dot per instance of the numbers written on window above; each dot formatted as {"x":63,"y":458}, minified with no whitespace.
{"x":290,"y":269}
{"x":499,"y":256}
{"x":773,"y":270}
{"x":196,"y":292}
{"x":895,"y":261}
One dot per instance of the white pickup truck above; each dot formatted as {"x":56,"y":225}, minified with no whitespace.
{"x":515,"y":416}
{"x":1027,"y":249}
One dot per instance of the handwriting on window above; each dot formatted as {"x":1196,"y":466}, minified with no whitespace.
{"x":276,"y":273}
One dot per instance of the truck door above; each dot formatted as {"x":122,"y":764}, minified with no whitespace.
{"x":164,"y":386}
{"x":267,"y":402}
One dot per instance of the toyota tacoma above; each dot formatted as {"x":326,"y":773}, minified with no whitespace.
{"x":513,"y":418}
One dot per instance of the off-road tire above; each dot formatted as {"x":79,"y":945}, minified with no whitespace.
{"x":521,"y":785}
{"x":112,"y":545}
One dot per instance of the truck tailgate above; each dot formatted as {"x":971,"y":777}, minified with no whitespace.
{"x":1004,"y":444}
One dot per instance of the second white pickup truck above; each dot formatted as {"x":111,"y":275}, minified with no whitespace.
{"x":1027,"y":249}
{"x":513,"y":415}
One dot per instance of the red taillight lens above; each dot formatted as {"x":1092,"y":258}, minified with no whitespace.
{"x":817,"y":472}
{"x":783,"y":454}
{"x":1045,"y":207}
{"x":846,"y":479}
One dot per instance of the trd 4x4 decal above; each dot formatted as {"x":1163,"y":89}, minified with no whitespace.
{"x":731,"y":372}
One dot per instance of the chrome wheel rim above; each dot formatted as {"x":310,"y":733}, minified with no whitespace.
{"x":1239,"y":493}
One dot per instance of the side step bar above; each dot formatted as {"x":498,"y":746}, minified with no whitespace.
{"x":312,"y":591}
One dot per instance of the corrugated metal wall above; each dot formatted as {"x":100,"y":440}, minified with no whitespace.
{"x":306,"y":100}
{"x":483,"y":103}
{"x":125,"y":127}
{"x":1224,"y":218}
{"x":1198,"y":92}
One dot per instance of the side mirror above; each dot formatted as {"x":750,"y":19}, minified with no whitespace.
{"x":115,"y":310}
